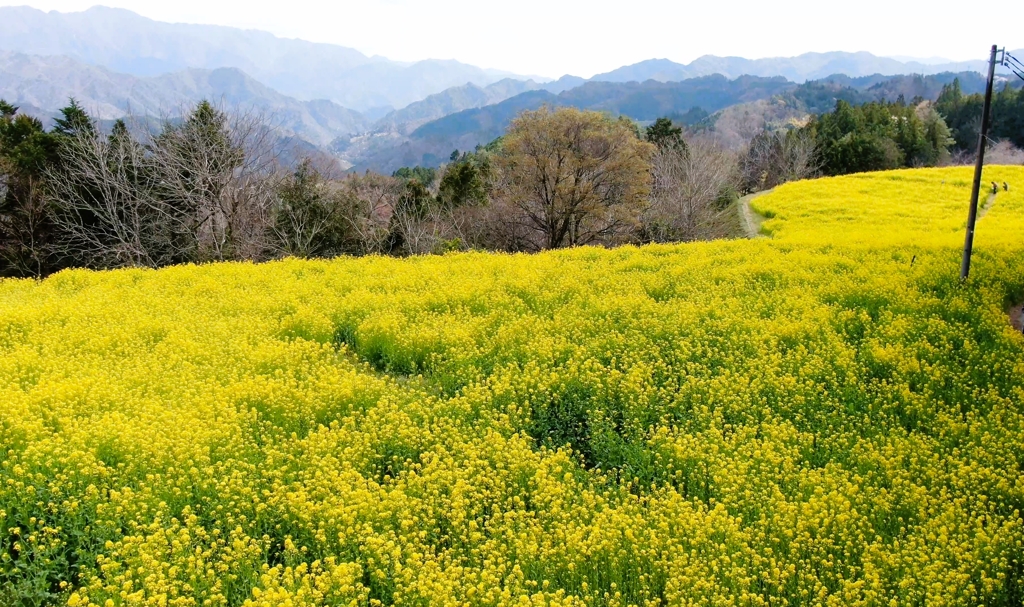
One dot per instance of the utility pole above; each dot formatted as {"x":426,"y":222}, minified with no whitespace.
{"x":972,"y":215}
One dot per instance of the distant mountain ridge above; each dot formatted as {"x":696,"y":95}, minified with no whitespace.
{"x":124,"y":41}
{"x":466,"y":97}
{"x":432,"y":142}
{"x":809,"y":66}
{"x":113,"y":61}
{"x":42,"y":85}
{"x":749,"y":96}
{"x":451,"y":101}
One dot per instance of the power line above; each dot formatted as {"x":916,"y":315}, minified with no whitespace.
{"x":986,"y":113}
{"x":1015,"y":65}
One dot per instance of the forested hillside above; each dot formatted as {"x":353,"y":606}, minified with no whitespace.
{"x":695,"y":102}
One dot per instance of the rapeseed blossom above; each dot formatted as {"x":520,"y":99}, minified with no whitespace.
{"x":822,"y":417}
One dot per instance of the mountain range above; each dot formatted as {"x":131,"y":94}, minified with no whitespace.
{"x":123,"y":41}
{"x":809,"y":66}
{"x":372,"y":112}
{"x":709,"y":98}
{"x":42,"y":85}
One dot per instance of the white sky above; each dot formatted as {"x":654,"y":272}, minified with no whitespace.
{"x":584,"y":37}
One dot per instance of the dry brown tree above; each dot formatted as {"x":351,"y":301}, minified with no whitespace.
{"x":218,"y":174}
{"x":1004,"y":152}
{"x":776,"y":157}
{"x":370,"y":201}
{"x":201,"y":190}
{"x":571,"y":177}
{"x":689,"y":185}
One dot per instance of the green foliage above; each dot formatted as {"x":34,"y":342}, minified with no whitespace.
{"x":415,"y":200}
{"x":664,"y":134}
{"x":424,"y":175}
{"x":308,"y":221}
{"x":73,"y":119}
{"x":692,"y":116}
{"x":878,"y":136}
{"x":6,"y":109}
{"x":495,"y":145}
{"x":465,"y":181}
{"x":821,"y":96}
{"x":963,"y":115}
{"x":26,"y":150}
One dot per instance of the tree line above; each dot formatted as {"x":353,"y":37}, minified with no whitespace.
{"x":963,"y":115}
{"x":211,"y":187}
{"x":885,"y":135}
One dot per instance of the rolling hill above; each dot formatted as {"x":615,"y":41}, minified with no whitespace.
{"x":821,"y":416}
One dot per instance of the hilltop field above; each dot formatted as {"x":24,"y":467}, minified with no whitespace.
{"x":821,"y":416}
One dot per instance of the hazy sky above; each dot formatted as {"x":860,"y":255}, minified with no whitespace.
{"x":584,"y":37}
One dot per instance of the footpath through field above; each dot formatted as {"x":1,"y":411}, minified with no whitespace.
{"x":751,"y":220}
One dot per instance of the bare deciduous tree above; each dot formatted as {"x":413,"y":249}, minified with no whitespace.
{"x":1004,"y":152}
{"x":217,"y":171}
{"x":200,"y":190}
{"x":689,"y":185}
{"x":776,"y":157}
{"x":370,"y":201}
{"x":105,"y":203}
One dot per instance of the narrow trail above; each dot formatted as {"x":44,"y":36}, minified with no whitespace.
{"x":1016,"y":314}
{"x":985,"y":208}
{"x":751,"y":219}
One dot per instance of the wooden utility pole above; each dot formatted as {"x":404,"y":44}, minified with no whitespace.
{"x":972,"y":215}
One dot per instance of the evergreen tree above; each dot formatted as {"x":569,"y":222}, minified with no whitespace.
{"x":26,"y":232}
{"x":73,"y":120}
{"x":664,"y":134}
{"x":465,"y":181}
{"x":878,"y":136}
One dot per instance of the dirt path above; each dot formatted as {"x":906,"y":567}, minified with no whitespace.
{"x":1016,"y":315}
{"x":989,"y":203}
{"x":750,"y":218}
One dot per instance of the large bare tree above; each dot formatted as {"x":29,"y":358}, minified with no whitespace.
{"x":105,"y":202}
{"x":217,"y":171}
{"x":774,"y":157}
{"x":573,"y":177}
{"x":200,"y":190}
{"x":690,"y":184}
{"x":370,"y":202}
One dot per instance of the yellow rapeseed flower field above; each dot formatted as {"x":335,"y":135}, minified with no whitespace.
{"x":826,"y":416}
